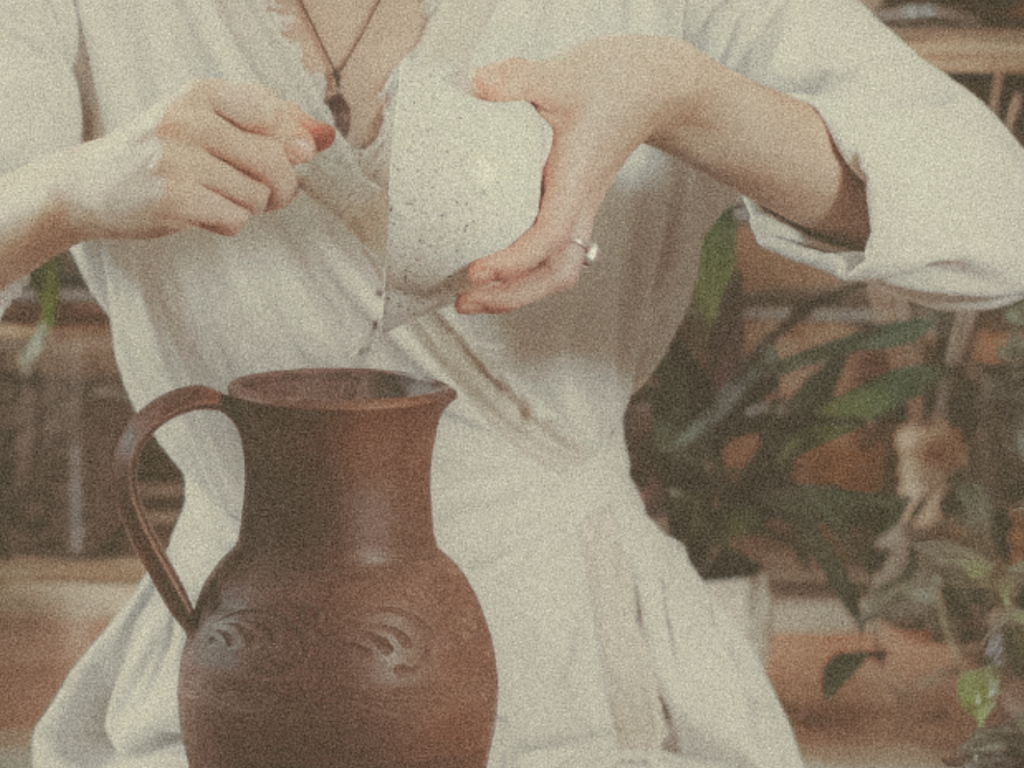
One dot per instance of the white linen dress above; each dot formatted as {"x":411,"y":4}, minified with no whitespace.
{"x":609,"y":650}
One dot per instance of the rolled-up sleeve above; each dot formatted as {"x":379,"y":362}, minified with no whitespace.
{"x":944,"y":178}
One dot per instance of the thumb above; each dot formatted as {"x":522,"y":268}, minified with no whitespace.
{"x":508,"y":80}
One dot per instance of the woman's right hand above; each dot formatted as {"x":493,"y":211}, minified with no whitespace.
{"x":211,"y":156}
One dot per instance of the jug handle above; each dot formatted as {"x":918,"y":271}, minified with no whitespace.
{"x":150,"y":550}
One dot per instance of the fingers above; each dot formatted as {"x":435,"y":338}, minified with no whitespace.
{"x":599,"y":111}
{"x":508,"y":80}
{"x":191,"y":205}
{"x":263,"y":160}
{"x":322,"y":133}
{"x":254,"y":109}
{"x":544,"y":260}
{"x":210,"y":156}
{"x":186,"y":161}
{"x":566,"y":207}
{"x":250,"y":130}
{"x":556,"y":273}
{"x":550,"y":233}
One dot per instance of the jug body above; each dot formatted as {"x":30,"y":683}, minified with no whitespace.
{"x":374,"y":665}
{"x":335,"y":632}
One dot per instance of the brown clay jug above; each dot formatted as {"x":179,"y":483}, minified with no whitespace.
{"x":335,"y":633}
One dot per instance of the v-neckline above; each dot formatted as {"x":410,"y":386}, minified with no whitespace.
{"x":295,"y":29}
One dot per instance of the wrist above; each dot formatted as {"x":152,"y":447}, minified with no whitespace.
{"x":687,"y":86}
{"x":64,"y":177}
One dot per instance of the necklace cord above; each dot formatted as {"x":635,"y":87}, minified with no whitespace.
{"x":336,"y":70}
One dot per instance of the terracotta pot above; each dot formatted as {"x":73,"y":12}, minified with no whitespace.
{"x":335,"y":632}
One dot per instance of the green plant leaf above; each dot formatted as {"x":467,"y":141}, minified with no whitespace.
{"x":1012,"y":350}
{"x":803,"y":518}
{"x":715,"y":271}
{"x":912,"y":601}
{"x":45,"y":280}
{"x":812,"y":436}
{"x":836,"y":574}
{"x":1004,"y":647}
{"x":730,"y":402}
{"x":801,"y":309}
{"x":882,"y":394}
{"x":873,"y":337}
{"x":760,"y":376}
{"x":1014,"y":579}
{"x":851,"y":410}
{"x":844,"y":511}
{"x":691,"y":519}
{"x":954,"y":559}
{"x":682,"y":389}
{"x":817,"y":390}
{"x":977,"y":691}
{"x":841,"y":667}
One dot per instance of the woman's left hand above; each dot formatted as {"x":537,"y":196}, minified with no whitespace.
{"x":603,"y":99}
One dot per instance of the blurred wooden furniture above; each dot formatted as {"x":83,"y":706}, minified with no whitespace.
{"x":997,"y":52}
{"x":971,"y":50}
{"x":58,"y":428}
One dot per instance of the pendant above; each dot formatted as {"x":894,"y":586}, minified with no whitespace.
{"x":341,"y":111}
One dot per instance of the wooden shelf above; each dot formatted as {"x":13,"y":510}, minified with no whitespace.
{"x":968,"y":51}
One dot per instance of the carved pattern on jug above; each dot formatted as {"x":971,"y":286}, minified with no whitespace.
{"x":388,"y":647}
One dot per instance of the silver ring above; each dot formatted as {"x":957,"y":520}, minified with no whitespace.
{"x":591,"y":250}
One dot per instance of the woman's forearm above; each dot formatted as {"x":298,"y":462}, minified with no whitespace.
{"x":33,"y":223}
{"x":765,"y":144}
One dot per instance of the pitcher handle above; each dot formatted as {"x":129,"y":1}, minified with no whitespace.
{"x":126,"y":467}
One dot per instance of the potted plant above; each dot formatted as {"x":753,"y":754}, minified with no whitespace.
{"x":959,"y":576}
{"x":706,"y":395}
{"x":964,"y":584}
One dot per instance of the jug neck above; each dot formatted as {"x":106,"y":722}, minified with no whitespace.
{"x":334,"y":488}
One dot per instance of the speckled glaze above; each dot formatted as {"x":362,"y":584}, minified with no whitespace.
{"x":492,"y":192}
{"x":335,"y":633}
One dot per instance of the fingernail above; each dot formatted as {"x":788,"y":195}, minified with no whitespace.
{"x":300,"y":149}
{"x":323,"y":134}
